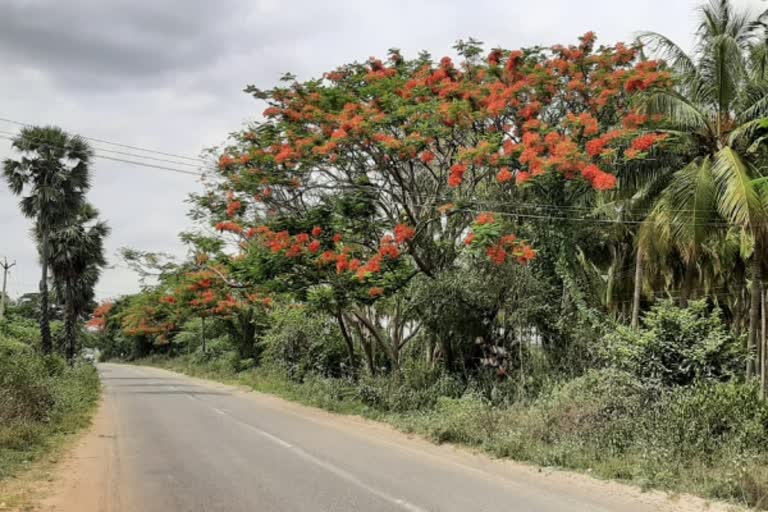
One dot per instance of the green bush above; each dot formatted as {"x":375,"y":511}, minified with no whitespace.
{"x":677,"y":346}
{"x":25,"y":393}
{"x":41,"y":398}
{"x":300,"y":343}
{"x":416,"y":387}
{"x":710,"y":419}
{"x":599,"y":409}
{"x":21,"y":329}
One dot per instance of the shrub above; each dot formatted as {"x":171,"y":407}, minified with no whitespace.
{"x":417,"y":386}
{"x":599,"y":409}
{"x":300,"y":343}
{"x":709,"y":419}
{"x":677,"y":346}
{"x":40,"y":398}
{"x":24,"y":390}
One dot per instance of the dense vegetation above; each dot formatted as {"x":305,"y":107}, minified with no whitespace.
{"x":42,"y":399}
{"x":556,"y":254}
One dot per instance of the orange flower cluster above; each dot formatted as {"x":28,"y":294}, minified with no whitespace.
{"x":232,"y":227}
{"x":99,"y":317}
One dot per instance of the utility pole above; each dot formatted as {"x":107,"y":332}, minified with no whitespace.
{"x":6,"y":268}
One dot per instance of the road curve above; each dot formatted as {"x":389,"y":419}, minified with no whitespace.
{"x":187,"y":445}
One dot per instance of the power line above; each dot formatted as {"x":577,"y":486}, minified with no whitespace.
{"x":126,"y":153}
{"x":133,"y":162}
{"x":579,"y":219}
{"x":118,"y":144}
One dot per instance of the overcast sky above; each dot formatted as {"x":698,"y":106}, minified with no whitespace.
{"x":168,"y":75}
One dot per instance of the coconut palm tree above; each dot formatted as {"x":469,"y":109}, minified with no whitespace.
{"x":715,"y":115}
{"x":76,"y":257}
{"x":51,"y":176}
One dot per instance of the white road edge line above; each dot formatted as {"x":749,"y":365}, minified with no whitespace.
{"x":410,"y":507}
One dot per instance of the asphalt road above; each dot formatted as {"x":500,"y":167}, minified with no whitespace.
{"x":182,"y":444}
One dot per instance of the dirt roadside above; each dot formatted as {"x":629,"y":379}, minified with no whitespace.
{"x":81,"y":479}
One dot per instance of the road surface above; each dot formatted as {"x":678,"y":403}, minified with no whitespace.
{"x":163,"y":442}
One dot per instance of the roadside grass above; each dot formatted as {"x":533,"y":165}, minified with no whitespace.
{"x":62,"y":404}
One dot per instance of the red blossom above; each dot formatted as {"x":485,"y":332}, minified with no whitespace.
{"x":286,"y":153}
{"x":327,"y":257}
{"x":295,"y":251}
{"x":376,"y":291}
{"x":485,"y":218}
{"x":404,"y":233}
{"x":389,"y":251}
{"x":426,"y":156}
{"x":604,"y":181}
{"x":497,"y":254}
{"x":317,"y":231}
{"x":271,"y":112}
{"x":504,"y":175}
{"x":314,"y":246}
{"x":339,"y":133}
{"x":233,"y":208}
{"x":225,"y":161}
{"x":646,"y":141}
{"x":232,"y":227}
{"x":522,"y":177}
{"x":457,"y":175}
{"x":342,"y":263}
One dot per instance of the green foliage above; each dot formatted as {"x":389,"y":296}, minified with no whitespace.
{"x":41,"y":399}
{"x":300,"y":343}
{"x":677,"y":346}
{"x":711,"y":418}
{"x":416,"y":387}
{"x":21,"y":329}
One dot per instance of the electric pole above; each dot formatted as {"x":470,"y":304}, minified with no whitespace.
{"x":6,"y":268}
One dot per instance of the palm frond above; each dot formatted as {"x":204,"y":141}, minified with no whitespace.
{"x":669,"y":51}
{"x":679,"y":111}
{"x":753,"y":101}
{"x":722,"y":69}
{"x":691,"y":201}
{"x":740,"y":200}
{"x":745,"y":131}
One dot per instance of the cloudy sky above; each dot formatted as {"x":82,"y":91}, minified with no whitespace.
{"x":168,"y":74}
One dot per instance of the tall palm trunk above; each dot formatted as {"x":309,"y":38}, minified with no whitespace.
{"x":45,"y":326}
{"x":763,"y":344}
{"x":689,"y":280}
{"x":754,"y":309}
{"x":638,"y":289}
{"x":71,"y":322}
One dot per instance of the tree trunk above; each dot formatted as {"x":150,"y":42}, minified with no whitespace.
{"x":638,"y":289}
{"x":71,"y":320}
{"x":368,"y":347}
{"x":202,"y":331}
{"x":348,"y":341}
{"x":754,"y":310}
{"x":763,"y":346}
{"x":688,"y":281}
{"x":45,"y":326}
